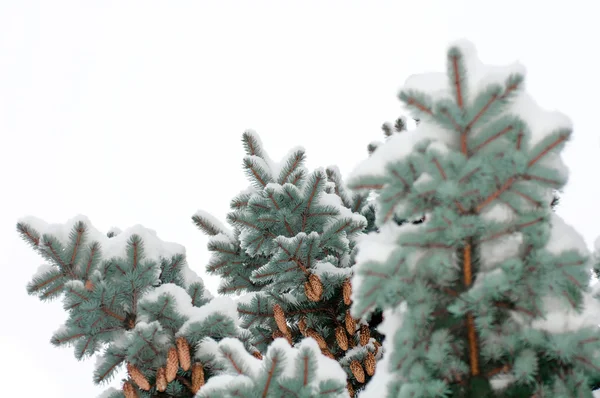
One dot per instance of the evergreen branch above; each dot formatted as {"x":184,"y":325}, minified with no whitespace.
{"x":233,"y":363}
{"x":40,"y":285}
{"x":64,"y":267}
{"x":29,"y":235}
{"x":412,"y":101}
{"x":507,"y":184}
{"x":52,"y":291}
{"x":205,"y":225}
{"x":80,"y":230}
{"x":526,"y":197}
{"x":440,"y":169}
{"x":457,"y":80}
{"x":546,"y":150}
{"x":495,"y":97}
{"x":94,"y":248}
{"x":313,"y":192}
{"x":493,"y":138}
{"x":269,"y":376}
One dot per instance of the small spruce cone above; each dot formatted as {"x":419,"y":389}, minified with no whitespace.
{"x":341,"y":337}
{"x":313,"y":288}
{"x":302,"y":326}
{"x":347,"y":292}
{"x":279,"y":316}
{"x":138,"y":377}
{"x":320,"y":340}
{"x":350,"y":323}
{"x":172,"y":365}
{"x":161,"y":379}
{"x":257,"y":355}
{"x":357,"y":371}
{"x":370,"y":363}
{"x":277,"y":334}
{"x":365,"y":334}
{"x":197,"y":377}
{"x":183,"y":351}
{"x":350,"y":389}
{"x":129,"y":390}
{"x":89,"y":286}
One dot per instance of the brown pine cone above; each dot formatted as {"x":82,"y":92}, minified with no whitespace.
{"x":341,"y":337}
{"x":357,"y":371}
{"x":197,"y":377}
{"x":138,"y":377}
{"x":172,"y":364}
{"x":279,"y":316}
{"x":161,"y":379}
{"x":347,"y":292}
{"x":370,"y":363}
{"x":350,"y":389}
{"x":320,"y":340}
{"x":183,"y":351}
{"x":350,"y":324}
{"x":365,"y":334}
{"x":257,"y":355}
{"x":313,"y":288}
{"x":129,"y":391}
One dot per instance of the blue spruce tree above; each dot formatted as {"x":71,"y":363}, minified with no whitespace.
{"x":484,"y":298}
{"x":291,"y":254}
{"x":132,"y":301}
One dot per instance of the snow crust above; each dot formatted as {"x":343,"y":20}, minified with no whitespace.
{"x":327,"y":367}
{"x":154,"y":247}
{"x":221,"y":305}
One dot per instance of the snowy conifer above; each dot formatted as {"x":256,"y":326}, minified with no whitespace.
{"x":292,"y":251}
{"x":484,"y":298}
{"x":132,"y":300}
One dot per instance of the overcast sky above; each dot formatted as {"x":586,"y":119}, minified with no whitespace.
{"x":131,"y":112}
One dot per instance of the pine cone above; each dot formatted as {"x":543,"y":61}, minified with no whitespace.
{"x":350,"y":323}
{"x":280,"y":318}
{"x":341,"y":337}
{"x":172,"y":365}
{"x":357,"y":371}
{"x":313,"y":288}
{"x":183,"y":351}
{"x":129,"y":391}
{"x":347,"y":292}
{"x":197,"y":377}
{"x":89,"y":286}
{"x":370,"y":363}
{"x":302,"y":326}
{"x":161,"y":379}
{"x":257,"y":355}
{"x":320,"y":340}
{"x":365,"y":334}
{"x":350,"y":389}
{"x":277,"y":334}
{"x":138,"y":377}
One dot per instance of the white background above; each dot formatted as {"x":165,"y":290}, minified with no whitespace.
{"x":131,"y":112}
